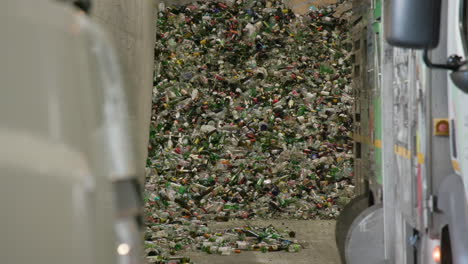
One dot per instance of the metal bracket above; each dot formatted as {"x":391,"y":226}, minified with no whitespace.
{"x":453,"y":63}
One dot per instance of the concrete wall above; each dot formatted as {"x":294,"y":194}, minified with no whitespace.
{"x":131,"y":24}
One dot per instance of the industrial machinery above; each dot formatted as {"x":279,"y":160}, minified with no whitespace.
{"x":70,"y":191}
{"x":410,"y":161}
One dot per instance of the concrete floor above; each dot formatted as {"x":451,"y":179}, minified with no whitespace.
{"x":317,"y":236}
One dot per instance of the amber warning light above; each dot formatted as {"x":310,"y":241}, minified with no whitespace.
{"x":441,"y":127}
{"x":436,"y":255}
